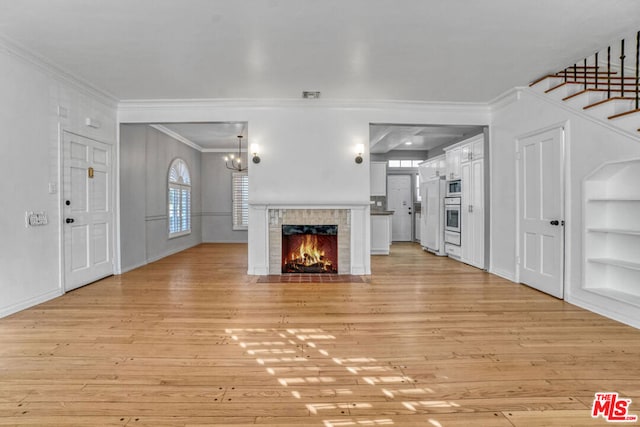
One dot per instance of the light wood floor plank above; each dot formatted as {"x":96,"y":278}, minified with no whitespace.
{"x":191,"y":340}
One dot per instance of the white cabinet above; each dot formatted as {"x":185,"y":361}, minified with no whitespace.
{"x":453,"y":157}
{"x":472,"y":149}
{"x":472,"y":206}
{"x":380,"y":234}
{"x":612,"y":231}
{"x":472,"y":212}
{"x":378,"y":174}
{"x":433,"y":168}
{"x":465,"y":151}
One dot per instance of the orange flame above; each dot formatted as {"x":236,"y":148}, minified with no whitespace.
{"x":309,"y":253}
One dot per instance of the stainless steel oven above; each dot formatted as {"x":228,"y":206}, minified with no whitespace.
{"x":452,"y":215}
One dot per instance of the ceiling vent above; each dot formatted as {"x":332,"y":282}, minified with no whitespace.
{"x":308,"y":94}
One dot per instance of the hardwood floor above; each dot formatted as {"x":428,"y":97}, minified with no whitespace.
{"x":191,"y":340}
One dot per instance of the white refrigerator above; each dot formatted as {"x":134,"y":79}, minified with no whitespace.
{"x":432,"y":227}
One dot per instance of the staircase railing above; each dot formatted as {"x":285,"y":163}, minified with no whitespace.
{"x":590,"y":77}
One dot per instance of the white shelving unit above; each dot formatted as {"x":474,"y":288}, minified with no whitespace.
{"x":612,"y":231}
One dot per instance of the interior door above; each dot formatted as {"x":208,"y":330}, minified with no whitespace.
{"x":87,"y":209}
{"x":541,"y":213}
{"x":399,"y":200}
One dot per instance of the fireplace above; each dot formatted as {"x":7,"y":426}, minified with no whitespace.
{"x":338,"y":218}
{"x":310,"y":249}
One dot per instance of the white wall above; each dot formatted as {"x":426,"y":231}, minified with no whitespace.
{"x":145,"y":157}
{"x":307,"y":151}
{"x":217,"y":223}
{"x":30,"y":93}
{"x":589,"y":143}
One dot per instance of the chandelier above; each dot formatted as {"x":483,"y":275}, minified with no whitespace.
{"x":235,"y":163}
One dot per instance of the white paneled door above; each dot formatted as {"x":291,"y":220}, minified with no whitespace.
{"x":87,"y":211}
{"x":399,"y":200}
{"x":541,"y":213}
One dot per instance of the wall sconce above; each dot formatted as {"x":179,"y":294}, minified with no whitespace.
{"x":360,"y":151}
{"x":255,"y":150}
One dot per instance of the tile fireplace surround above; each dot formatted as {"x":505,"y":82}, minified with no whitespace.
{"x":265,"y":233}
{"x":280,"y":217}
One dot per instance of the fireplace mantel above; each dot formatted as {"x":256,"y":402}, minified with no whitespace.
{"x":261,"y":231}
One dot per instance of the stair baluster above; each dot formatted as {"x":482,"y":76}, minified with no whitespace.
{"x":608,"y":72}
{"x":597,"y":66}
{"x":637,"y":81}
{"x":622,"y":68}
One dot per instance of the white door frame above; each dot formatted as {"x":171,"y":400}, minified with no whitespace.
{"x":564,"y":193}
{"x":113,"y":196}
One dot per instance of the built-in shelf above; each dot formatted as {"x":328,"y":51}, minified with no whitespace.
{"x":613,"y":199}
{"x":616,"y":262}
{"x":612,"y":232}
{"x":617,"y":295}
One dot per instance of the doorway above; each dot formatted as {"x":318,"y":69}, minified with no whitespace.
{"x":540,"y":261}
{"x":88,"y":211}
{"x":400,"y":201}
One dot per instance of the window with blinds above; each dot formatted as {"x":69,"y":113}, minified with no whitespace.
{"x":240,"y":196}
{"x":179,"y":199}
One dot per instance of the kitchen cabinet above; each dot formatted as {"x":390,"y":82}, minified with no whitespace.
{"x":433,"y":168}
{"x":612,"y":231}
{"x":381,"y":232}
{"x":472,"y":149}
{"x":472,"y":210}
{"x":453,"y":157}
{"x":378,"y":175}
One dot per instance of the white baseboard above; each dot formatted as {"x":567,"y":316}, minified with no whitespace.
{"x":504,"y":274}
{"x":127,"y":268}
{"x":14,"y":308}
{"x":258,"y":271}
{"x":169,"y":253}
{"x":610,"y":314}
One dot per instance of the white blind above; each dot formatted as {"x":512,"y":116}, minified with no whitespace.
{"x":240,"y":195}
{"x":179,"y":209}
{"x":179,"y":199}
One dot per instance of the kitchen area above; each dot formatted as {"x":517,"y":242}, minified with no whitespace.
{"x":428,"y":186}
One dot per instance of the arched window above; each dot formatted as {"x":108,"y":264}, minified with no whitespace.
{"x":179,"y":199}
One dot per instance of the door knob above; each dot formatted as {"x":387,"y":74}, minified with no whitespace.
{"x":555,"y":222}
{"x":69,"y":220}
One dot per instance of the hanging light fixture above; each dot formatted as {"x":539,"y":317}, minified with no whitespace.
{"x":235,"y":163}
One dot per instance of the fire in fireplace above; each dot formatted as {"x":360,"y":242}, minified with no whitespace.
{"x":310,"y":249}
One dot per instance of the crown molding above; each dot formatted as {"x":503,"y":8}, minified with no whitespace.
{"x":177,"y":137}
{"x":504,"y":99}
{"x":17,"y":50}
{"x":133,"y":105}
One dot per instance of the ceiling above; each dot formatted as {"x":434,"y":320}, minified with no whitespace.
{"x":394,"y":137}
{"x":423,"y":50}
{"x":413,"y":50}
{"x":214,"y":136}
